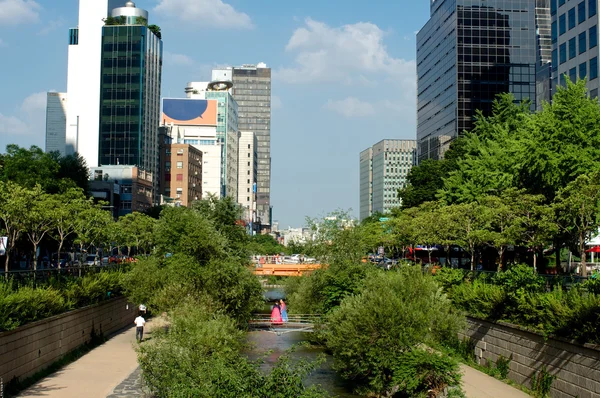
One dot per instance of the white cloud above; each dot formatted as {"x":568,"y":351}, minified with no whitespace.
{"x":276,"y":102}
{"x":27,"y":126}
{"x":177,"y":59}
{"x":207,"y":13}
{"x":52,"y":26}
{"x":35,"y":102}
{"x":12,"y":125}
{"x":350,"y":107}
{"x":14,"y":12}
{"x":350,"y":53}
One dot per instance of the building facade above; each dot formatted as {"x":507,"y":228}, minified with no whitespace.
{"x":56,"y":122}
{"x":247,"y":166}
{"x":388,"y":163}
{"x":130,"y":93}
{"x":252,"y":91}
{"x":181,"y":174}
{"x":468,"y":52}
{"x":575,"y":48}
{"x":366,"y":183}
{"x":133,"y":188}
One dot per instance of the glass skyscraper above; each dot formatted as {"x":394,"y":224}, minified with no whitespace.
{"x":130,"y":92}
{"x":468,"y":52}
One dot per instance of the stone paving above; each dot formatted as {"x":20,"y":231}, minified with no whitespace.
{"x":132,"y":386}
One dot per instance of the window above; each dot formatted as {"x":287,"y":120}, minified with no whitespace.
{"x":572,"y":23}
{"x":561,"y":3}
{"x":572,"y":48}
{"x":581,"y":12}
{"x":554,"y":32}
{"x":248,"y":181}
{"x":594,"y":93}
{"x":562,"y":24}
{"x":573,"y":74}
{"x":563,"y":53}
{"x":248,"y":172}
{"x":179,"y":191}
{"x":167,"y":177}
{"x":582,"y":70}
{"x":593,"y":41}
{"x":248,"y":155}
{"x":248,"y":190}
{"x":592,"y":7}
{"x":180,"y":165}
{"x":248,"y":199}
{"x":593,"y":68}
{"x":563,"y":81}
{"x":554,"y":59}
{"x":248,"y":146}
{"x":582,"y":43}
{"x":553,"y":7}
{"x":180,"y":177}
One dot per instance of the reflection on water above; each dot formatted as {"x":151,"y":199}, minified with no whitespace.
{"x":263,"y":341}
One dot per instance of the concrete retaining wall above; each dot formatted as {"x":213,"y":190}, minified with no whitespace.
{"x":576,"y":367}
{"x":35,"y":346}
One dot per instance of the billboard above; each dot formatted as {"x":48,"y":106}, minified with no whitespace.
{"x":189,"y":112}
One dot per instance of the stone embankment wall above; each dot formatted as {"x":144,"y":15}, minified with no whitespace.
{"x":35,"y":346}
{"x":576,"y":366}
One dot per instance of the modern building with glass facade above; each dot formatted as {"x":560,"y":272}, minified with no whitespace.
{"x":467,"y":53}
{"x":252,"y":91}
{"x":56,"y":122}
{"x":130,"y":76}
{"x":383,"y":171}
{"x":575,"y":48}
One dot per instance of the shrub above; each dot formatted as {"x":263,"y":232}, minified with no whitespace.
{"x":28,"y":304}
{"x":503,"y":366}
{"x":479,"y":299}
{"x":520,"y":278}
{"x":542,"y":382}
{"x":395,"y":312}
{"x":449,"y":277}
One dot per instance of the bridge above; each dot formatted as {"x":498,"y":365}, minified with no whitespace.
{"x":295,"y":323}
{"x":284,"y":269}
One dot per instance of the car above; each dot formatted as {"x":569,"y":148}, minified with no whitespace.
{"x":91,"y":260}
{"x":105,"y":260}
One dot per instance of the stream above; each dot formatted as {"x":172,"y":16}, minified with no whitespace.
{"x":263,"y":341}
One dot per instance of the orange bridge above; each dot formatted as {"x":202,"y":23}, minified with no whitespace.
{"x":284,"y":269}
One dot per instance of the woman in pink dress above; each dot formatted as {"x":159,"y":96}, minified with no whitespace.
{"x":276,"y":315}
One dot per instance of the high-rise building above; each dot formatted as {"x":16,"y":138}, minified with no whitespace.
{"x":56,"y":122}
{"x":543,"y":22}
{"x":383,"y":171}
{"x":467,"y":53}
{"x":252,"y":91}
{"x":247,"y":164}
{"x":193,"y":121}
{"x":575,"y":48}
{"x":181,"y":177}
{"x":126,"y":188}
{"x":130,"y":76}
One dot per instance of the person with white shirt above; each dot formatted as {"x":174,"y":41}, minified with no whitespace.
{"x":139,"y":330}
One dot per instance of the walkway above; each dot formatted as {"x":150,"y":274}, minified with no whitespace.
{"x":96,"y":374}
{"x":477,"y":384}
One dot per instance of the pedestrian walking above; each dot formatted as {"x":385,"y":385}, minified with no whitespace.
{"x":139,"y":329}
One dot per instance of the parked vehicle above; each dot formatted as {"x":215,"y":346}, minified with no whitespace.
{"x":91,"y":260}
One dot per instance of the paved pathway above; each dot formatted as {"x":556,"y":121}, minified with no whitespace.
{"x":477,"y":384}
{"x":107,"y":370}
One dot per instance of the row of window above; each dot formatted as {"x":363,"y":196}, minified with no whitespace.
{"x":571,"y":45}
{"x":583,"y":71}
{"x":569,"y":19}
{"x":592,"y":9}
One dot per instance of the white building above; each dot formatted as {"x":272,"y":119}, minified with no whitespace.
{"x":247,"y":162}
{"x":56,"y":122}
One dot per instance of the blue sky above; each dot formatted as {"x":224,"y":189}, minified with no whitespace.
{"x":343,"y":78}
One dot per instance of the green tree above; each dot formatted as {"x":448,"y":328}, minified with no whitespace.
{"x":395,"y":312}
{"x":578,"y":210}
{"x":13,"y":207}
{"x":38,"y":218}
{"x":30,"y":167}
{"x":135,"y":230}
{"x":92,"y":227}
{"x":74,"y":168}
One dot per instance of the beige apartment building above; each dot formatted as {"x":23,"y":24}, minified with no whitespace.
{"x":181,"y":174}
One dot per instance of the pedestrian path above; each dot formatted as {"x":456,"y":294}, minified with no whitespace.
{"x":477,"y":384}
{"x":96,"y":374}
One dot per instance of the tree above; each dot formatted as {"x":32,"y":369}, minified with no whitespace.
{"x":578,"y":210}
{"x":38,"y":218}
{"x":93,"y":225}
{"x":65,"y":210}
{"x":30,"y":167}
{"x":12,"y":210}
{"x":156,"y":30}
{"x":74,"y":168}
{"x":135,"y":230}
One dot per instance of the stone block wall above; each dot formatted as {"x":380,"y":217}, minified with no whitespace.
{"x":35,"y":346}
{"x":576,"y":366}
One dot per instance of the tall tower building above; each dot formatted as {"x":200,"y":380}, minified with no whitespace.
{"x":129,"y":108}
{"x":247,"y":164}
{"x":56,"y":122}
{"x":252,"y":91}
{"x":467,"y":53}
{"x":575,"y":49}
{"x":383,"y":171}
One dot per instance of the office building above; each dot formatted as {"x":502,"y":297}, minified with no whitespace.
{"x":468,"y":52}
{"x":56,"y":122}
{"x":575,"y":48}
{"x":247,"y":165}
{"x":130,"y":92}
{"x":383,"y":171}
{"x":126,"y":188}
{"x":252,"y":91}
{"x":543,"y":22}
{"x":181,"y":174}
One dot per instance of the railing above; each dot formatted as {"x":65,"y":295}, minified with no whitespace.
{"x":294,"y":323}
{"x":42,"y":275}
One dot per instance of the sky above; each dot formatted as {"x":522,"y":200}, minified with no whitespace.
{"x":344,"y":78}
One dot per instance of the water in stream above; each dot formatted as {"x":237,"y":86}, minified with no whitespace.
{"x":263,"y":341}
